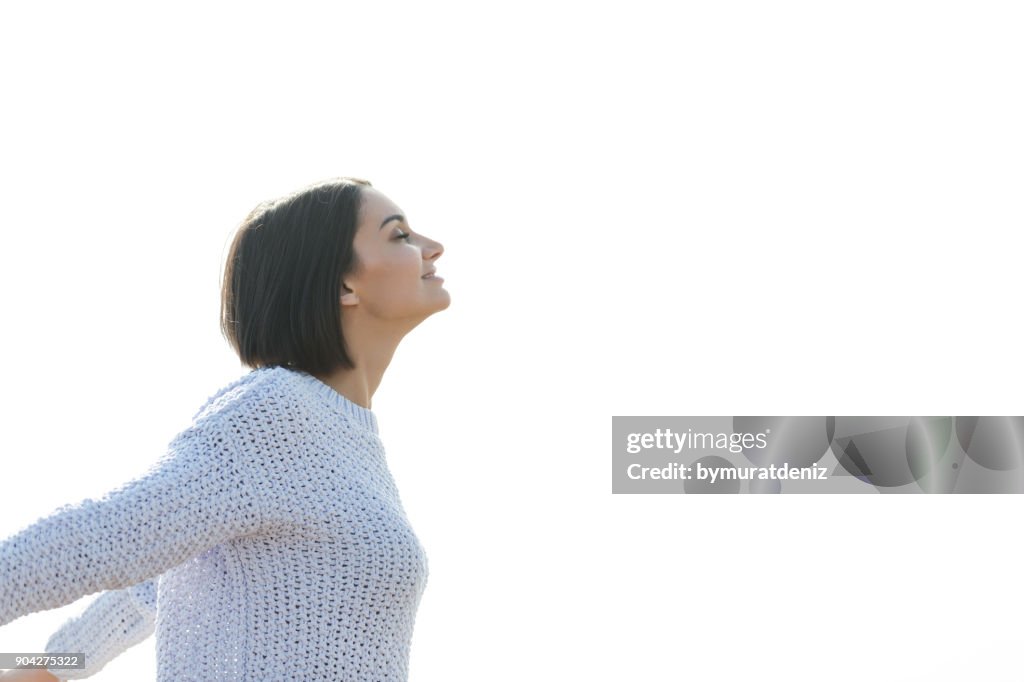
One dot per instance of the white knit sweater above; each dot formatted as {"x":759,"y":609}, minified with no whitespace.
{"x":268,"y":543}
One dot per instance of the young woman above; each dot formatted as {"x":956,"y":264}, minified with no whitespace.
{"x":269,"y":542}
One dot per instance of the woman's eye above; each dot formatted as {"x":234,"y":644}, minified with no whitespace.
{"x":403,"y":235}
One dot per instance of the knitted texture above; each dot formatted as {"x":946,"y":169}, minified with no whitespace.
{"x":268,"y":543}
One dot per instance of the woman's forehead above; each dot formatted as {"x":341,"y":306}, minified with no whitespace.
{"x":377,"y":207}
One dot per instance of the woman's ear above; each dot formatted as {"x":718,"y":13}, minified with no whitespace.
{"x":348,"y":297}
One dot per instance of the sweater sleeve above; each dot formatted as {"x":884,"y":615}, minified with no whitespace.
{"x":113,"y":622}
{"x":197,"y":495}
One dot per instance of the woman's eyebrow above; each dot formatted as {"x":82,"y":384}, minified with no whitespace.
{"x":397,"y":216}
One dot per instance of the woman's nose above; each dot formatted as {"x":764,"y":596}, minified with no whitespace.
{"x":433,"y":249}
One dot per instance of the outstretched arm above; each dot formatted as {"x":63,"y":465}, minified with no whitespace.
{"x":196,"y":496}
{"x":113,"y":622}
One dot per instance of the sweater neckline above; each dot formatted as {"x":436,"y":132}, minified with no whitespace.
{"x":362,"y":416}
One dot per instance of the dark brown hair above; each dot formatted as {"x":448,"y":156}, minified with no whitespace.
{"x":281,"y":286}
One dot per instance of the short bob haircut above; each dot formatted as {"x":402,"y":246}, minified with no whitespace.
{"x":281,"y":286}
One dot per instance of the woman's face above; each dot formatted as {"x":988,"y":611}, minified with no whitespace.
{"x":388,"y":282}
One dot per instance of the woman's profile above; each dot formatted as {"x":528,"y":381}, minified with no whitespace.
{"x":269,"y":542}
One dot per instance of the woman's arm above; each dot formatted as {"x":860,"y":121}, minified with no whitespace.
{"x":196,"y":496}
{"x":112,"y":623}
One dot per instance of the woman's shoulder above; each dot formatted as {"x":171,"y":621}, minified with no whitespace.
{"x":281,"y":401}
{"x":261,"y":391}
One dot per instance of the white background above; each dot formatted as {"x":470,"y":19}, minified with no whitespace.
{"x":711,"y":208}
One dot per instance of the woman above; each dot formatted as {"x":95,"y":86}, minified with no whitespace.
{"x":269,"y":542}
